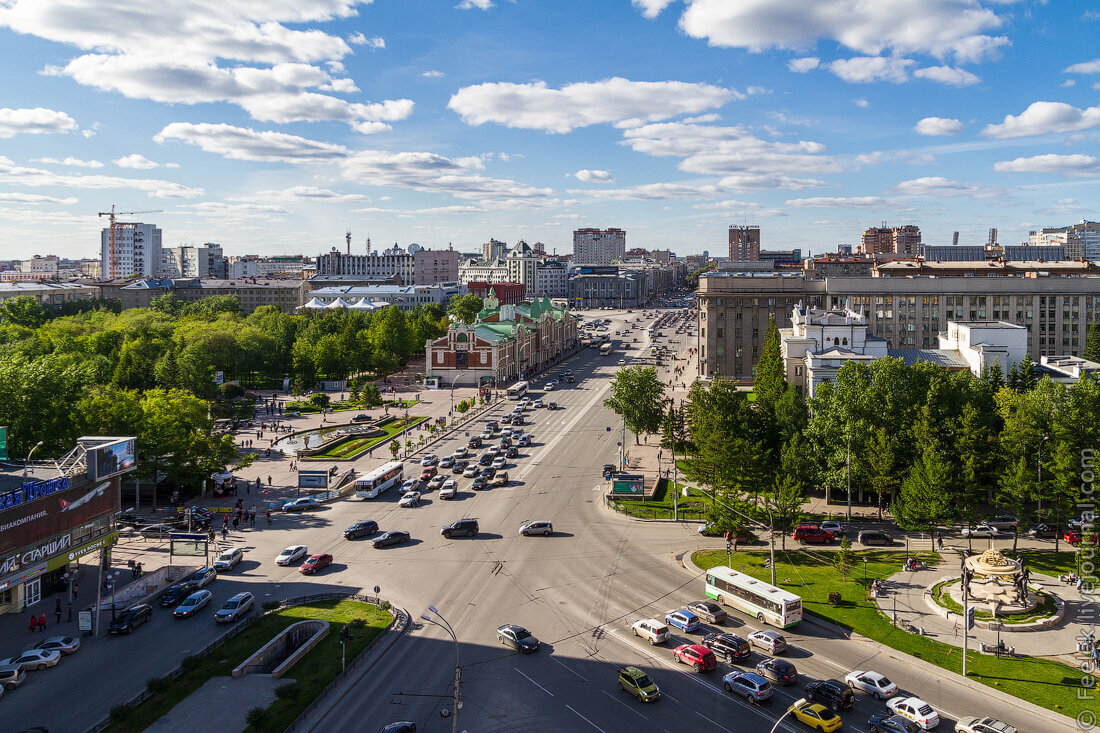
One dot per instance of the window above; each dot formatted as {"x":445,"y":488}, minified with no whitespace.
{"x":798,"y":371}
{"x":721,"y":332}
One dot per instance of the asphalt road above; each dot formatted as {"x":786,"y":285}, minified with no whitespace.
{"x":578,"y":591}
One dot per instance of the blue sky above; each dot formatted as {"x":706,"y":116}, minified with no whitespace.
{"x":272,"y":126}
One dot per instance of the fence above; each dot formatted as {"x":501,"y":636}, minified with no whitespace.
{"x":686,"y":512}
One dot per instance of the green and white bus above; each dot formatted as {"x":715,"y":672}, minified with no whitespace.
{"x":767,"y":603}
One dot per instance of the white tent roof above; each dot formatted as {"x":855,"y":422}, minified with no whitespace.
{"x":314,"y":303}
{"x":338,"y":303}
{"x":363,"y":304}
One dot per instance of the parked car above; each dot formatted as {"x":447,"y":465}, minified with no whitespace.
{"x":697,"y":655}
{"x":363,"y":528}
{"x":12,"y":675}
{"x":779,"y":671}
{"x":33,"y":659}
{"x":65,"y":644}
{"x":836,"y":529}
{"x":156,"y":531}
{"x":300,"y":505}
{"x":889,"y":723}
{"x":639,"y":684}
{"x":192,"y":604}
{"x":709,"y":611}
{"x":229,"y":558}
{"x":916,"y":710}
{"x":518,"y":638}
{"x":748,"y":685}
{"x":982,"y":530}
{"x":831,"y":692}
{"x":651,"y":630}
{"x":449,"y":489}
{"x":540,"y":527}
{"x":467,"y":527}
{"x":361,"y":417}
{"x":1043,"y":530}
{"x":204,"y":577}
{"x":390,"y":538}
{"x":812,"y":533}
{"x":291,"y":555}
{"x":176,"y":593}
{"x":874,"y":684}
{"x":874,"y":537}
{"x":770,"y":641}
{"x":315,"y":563}
{"x":235,"y":607}
{"x":410,"y":499}
{"x":1074,"y":537}
{"x":728,"y":646}
{"x":682,"y":619}
{"x":1006,"y":523}
{"x":973,"y":724}
{"x":816,"y":716}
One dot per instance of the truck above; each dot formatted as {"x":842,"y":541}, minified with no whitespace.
{"x":605,"y":349}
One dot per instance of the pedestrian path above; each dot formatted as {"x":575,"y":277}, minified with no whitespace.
{"x":223,"y":702}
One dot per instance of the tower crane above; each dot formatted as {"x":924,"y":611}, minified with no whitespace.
{"x":111,"y":246}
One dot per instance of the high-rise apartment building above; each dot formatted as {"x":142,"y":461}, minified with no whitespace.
{"x":493,"y":250}
{"x":903,"y":240}
{"x":598,"y":246}
{"x":745,"y":243}
{"x":137,"y":250}
{"x":421,"y":267}
{"x":1079,"y":241}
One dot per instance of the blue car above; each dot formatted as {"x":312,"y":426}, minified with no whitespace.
{"x":683,"y":619}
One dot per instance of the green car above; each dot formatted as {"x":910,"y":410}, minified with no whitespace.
{"x":638,"y":684}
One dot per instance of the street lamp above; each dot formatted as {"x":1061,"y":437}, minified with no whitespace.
{"x":865,"y":571}
{"x":457,"y":375}
{"x":446,"y":626}
{"x":797,"y":704}
{"x":1039,"y":509}
{"x":28,"y":461}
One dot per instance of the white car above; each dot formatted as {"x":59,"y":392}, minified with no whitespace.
{"x":446,"y":461}
{"x":461,"y":452}
{"x":982,"y":530}
{"x":916,"y":710}
{"x":411,"y":484}
{"x":486,"y":434}
{"x":537,"y":404}
{"x":34,"y":659}
{"x":651,"y":630}
{"x":429,"y":460}
{"x":291,"y":555}
{"x":229,"y":558}
{"x":410,"y":498}
{"x":499,"y":462}
{"x":973,"y":724}
{"x":449,"y":489}
{"x":873,"y":683}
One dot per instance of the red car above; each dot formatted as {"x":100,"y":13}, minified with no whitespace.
{"x":428,"y":473}
{"x":1074,"y":537}
{"x":697,"y":655}
{"x":315,"y":563}
{"x":813,"y":533}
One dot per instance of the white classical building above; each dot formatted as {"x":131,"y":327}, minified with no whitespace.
{"x":985,"y":343}
{"x":520,"y":265}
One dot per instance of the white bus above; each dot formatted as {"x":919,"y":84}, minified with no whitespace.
{"x":517,"y":390}
{"x":755,"y":597}
{"x":380,"y":479}
{"x":605,"y":349}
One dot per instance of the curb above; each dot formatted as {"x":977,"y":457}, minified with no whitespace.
{"x":1059,"y":613}
{"x":976,"y":687}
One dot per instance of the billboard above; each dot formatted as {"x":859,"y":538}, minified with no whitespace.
{"x":40,"y":510}
{"x":3,"y":442}
{"x":111,"y":459}
{"x":628,"y":485}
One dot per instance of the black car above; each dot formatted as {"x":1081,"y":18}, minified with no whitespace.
{"x":479,"y":483}
{"x":177,"y":593}
{"x":727,"y":646}
{"x":486,"y":458}
{"x":400,"y":727}
{"x":361,"y":529}
{"x":506,"y":420}
{"x":361,"y":417}
{"x":390,"y":538}
{"x":779,"y":671}
{"x":832,"y":693}
{"x":887,"y":723}
{"x":130,"y":619}
{"x":474,"y":442}
{"x":512,"y":452}
{"x":460,"y":465}
{"x":1043,"y":530}
{"x":467,"y":527}
{"x":518,"y":638}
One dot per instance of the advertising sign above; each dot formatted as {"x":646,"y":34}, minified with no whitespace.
{"x":111,"y":459}
{"x":89,"y":547}
{"x":52,"y":509}
{"x":3,"y":442}
{"x":627,"y":485}
{"x":313,"y":479}
{"x":84,"y":620}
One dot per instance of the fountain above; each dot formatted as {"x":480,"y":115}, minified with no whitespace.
{"x":997,"y":580}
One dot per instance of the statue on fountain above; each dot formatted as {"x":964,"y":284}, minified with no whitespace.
{"x":995,"y":579}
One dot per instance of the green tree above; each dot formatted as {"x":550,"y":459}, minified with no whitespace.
{"x":843,"y":558}
{"x":1017,"y":489}
{"x":108,"y":410}
{"x":24,"y":311}
{"x":638,"y":394}
{"x":769,"y":381}
{"x":465,"y":308}
{"x":1092,"y":343}
{"x":923,"y":503}
{"x":1028,"y":377}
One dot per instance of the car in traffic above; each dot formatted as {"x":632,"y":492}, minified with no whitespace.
{"x":697,"y":655}
{"x":203,"y":577}
{"x":779,"y":671}
{"x":709,"y":611}
{"x":479,"y":483}
{"x":874,"y":684}
{"x":32,"y":659}
{"x":874,"y":537}
{"x":156,"y":531}
{"x":682,"y":619}
{"x":447,"y":462}
{"x":460,"y":466}
{"x":237,"y":606}
{"x":410,"y":499}
{"x":518,"y":638}
{"x":65,"y":644}
{"x":982,"y":724}
{"x":363,"y":528}
{"x":982,"y":530}
{"x":651,"y":630}
{"x":429,"y":459}
{"x":535,"y":528}
{"x":401,"y":726}
{"x":461,"y":452}
{"x":512,"y":452}
{"x":525,"y":440}
{"x":229,"y":558}
{"x":176,"y":593}
{"x":12,"y":675}
{"x":449,"y":489}
{"x":472,"y":470}
{"x":506,"y":419}
{"x":436,"y":481}
{"x":1043,"y":531}
{"x":390,"y":538}
{"x":463,"y":527}
{"x":730,"y":647}
{"x":890,"y":723}
{"x":192,"y":604}
{"x":770,"y":641}
{"x":131,"y":618}
{"x":915,"y":710}
{"x":636,"y":682}
{"x":361,"y":417}
{"x":314,"y":563}
{"x":411,"y":484}
{"x":291,"y":555}
{"x":811,"y":533}
{"x":748,"y":685}
{"x":303,"y":504}
{"x":428,"y":473}
{"x":500,"y":462}
{"x":833,"y":693}
{"x":816,"y":716}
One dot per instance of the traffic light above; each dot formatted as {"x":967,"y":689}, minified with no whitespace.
{"x":345,"y":635}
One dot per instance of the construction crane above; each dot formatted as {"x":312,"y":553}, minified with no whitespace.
{"x":111,"y":246}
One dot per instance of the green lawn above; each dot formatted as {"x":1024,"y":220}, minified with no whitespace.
{"x":313,"y":673}
{"x":1050,"y":684}
{"x":1050,"y":563}
{"x":660,"y":506}
{"x":353,"y":447}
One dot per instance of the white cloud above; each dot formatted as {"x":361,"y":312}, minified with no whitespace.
{"x":432,"y":74}
{"x":949,"y":75}
{"x":937,"y":186}
{"x":136,"y":161}
{"x":861,"y":102}
{"x":243,"y":143}
{"x":1045,"y":117}
{"x":303,"y":193}
{"x":594,"y":176}
{"x":479,"y":4}
{"x":1074,"y":166}
{"x":765,"y":181}
{"x":826,"y":202}
{"x":74,"y":162}
{"x":651,"y":8}
{"x":34,"y":121}
{"x":942,"y":28}
{"x":33,"y":198}
{"x":866,"y":69}
{"x":652,"y":192}
{"x":804,"y":64}
{"x":12,"y":174}
{"x":534,"y":106}
{"x":359,"y":39}
{"x":1069,"y":83}
{"x":1087,"y":67}
{"x":938,"y":126}
{"x":218,"y":208}
{"x":738,"y":207}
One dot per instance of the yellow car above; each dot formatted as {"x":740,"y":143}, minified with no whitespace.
{"x":816,"y":716}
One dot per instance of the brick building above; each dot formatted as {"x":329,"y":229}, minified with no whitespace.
{"x":505,"y":293}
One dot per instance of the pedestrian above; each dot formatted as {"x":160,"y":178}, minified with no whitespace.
{"x":57,"y":611}
{"x":42,"y":623}
{"x":236,"y":521}
{"x":75,"y":588}
{"x":269,"y":481}
{"x":33,"y":626}
{"x":248,"y":488}
{"x":225,"y":531}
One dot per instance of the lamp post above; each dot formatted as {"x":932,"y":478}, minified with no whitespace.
{"x":797,"y":704}
{"x":865,"y":571}
{"x":405,"y":433}
{"x":849,"y":476}
{"x":455,"y":379}
{"x":1040,"y":507}
{"x":27,"y":463}
{"x":446,"y":626}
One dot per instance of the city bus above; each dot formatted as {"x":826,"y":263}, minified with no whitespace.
{"x":767,"y":603}
{"x":605,"y":349}
{"x":517,"y":390}
{"x":380,"y":479}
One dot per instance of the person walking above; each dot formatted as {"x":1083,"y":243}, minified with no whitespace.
{"x":225,"y":531}
{"x":236,"y":521}
{"x":42,"y":623}
{"x":57,"y":611}
{"x":269,"y":481}
{"x":33,"y":626}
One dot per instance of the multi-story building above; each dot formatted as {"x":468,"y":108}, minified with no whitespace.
{"x":435,"y":266}
{"x":255,"y":266}
{"x":420,"y":267}
{"x":954,"y":252}
{"x":836,"y":265}
{"x":551,"y":279}
{"x":493,"y":250}
{"x":137,"y":250}
{"x":597,"y":287}
{"x":46,"y":266}
{"x":904,"y":240}
{"x":987,"y":268}
{"x":598,"y":246}
{"x":49,"y":293}
{"x":405,"y":297}
{"x":782,"y":256}
{"x":503,"y":293}
{"x":253,"y":293}
{"x":519,"y":265}
{"x":186,"y":261}
{"x":909,"y":312}
{"x":745,"y":243}
{"x":217,"y":266}
{"x":1079,"y":241}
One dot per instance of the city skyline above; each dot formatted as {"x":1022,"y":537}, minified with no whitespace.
{"x":273,"y":129}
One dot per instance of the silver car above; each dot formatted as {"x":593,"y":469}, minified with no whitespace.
{"x":770,"y":641}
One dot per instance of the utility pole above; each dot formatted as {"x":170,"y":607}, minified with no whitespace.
{"x":771,"y":542}
{"x":966,"y":620}
{"x":849,"y":476}
{"x":98,"y":595}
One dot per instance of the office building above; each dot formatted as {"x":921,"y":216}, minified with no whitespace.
{"x":598,"y":246}
{"x":551,"y":279}
{"x":284,"y":294}
{"x":255,"y":266}
{"x":954,"y":253}
{"x":136,"y":251}
{"x":46,"y":266}
{"x":904,"y":240}
{"x":1079,"y":241}
{"x":493,"y":250}
{"x":415,"y":267}
{"x":745,"y":243}
{"x":782,"y":257}
{"x":503,"y":293}
{"x":597,"y":287}
{"x":519,"y":265}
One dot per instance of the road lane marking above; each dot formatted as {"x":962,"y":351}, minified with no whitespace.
{"x":601,"y":730}
{"x":536,"y":684}
{"x":623,"y":704}
{"x":567,"y":667}
{"x":713,"y":722}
